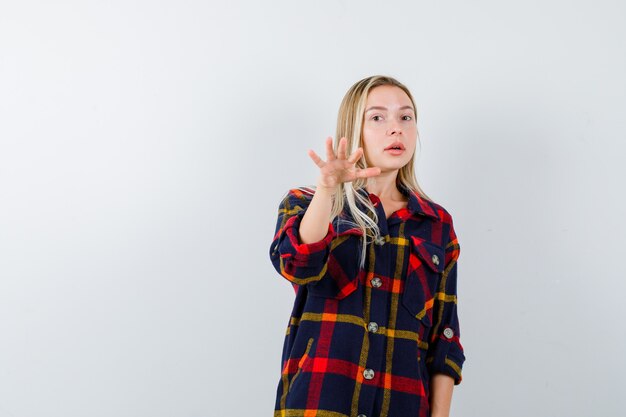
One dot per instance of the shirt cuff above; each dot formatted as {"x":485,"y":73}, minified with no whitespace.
{"x":302,"y":254}
{"x":447,"y":357}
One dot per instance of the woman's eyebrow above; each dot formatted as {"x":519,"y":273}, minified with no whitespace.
{"x":385,"y":108}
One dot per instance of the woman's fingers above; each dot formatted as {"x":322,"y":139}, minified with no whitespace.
{"x":318,"y":161}
{"x":330,"y":153}
{"x":356,"y":155}
{"x":341,"y":149}
{"x":367,"y":172}
{"x":344,"y":169}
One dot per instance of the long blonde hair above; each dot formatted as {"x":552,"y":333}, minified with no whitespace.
{"x":350,"y":126}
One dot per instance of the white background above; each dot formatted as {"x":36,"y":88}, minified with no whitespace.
{"x":145,"y":146}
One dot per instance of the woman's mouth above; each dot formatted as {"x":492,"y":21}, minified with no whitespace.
{"x":396,"y":148}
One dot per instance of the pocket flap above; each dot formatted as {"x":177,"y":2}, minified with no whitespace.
{"x":429,"y":253}
{"x":426,"y":263}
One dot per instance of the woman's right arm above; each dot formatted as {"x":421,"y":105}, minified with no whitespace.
{"x":304,"y":229}
{"x":336,"y":170}
{"x":314,"y":224}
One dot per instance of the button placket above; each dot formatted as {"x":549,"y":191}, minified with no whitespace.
{"x":379,"y":299}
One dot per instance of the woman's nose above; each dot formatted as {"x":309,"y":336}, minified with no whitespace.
{"x":394,"y":128}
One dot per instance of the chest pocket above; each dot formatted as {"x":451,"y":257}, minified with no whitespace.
{"x":426,"y":264}
{"x":342,"y":273}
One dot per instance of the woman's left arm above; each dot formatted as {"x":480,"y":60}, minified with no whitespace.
{"x":441,"y":386}
{"x":445,"y":354}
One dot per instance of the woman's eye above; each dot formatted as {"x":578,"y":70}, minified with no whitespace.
{"x":376,"y":118}
{"x":407,"y":117}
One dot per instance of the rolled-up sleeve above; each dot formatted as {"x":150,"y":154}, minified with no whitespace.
{"x":446,"y":354}
{"x":300,"y":263}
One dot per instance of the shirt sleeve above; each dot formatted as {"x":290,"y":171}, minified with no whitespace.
{"x":300,"y":263}
{"x":445,"y":352}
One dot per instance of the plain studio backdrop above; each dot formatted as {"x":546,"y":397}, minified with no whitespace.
{"x":145,"y":147}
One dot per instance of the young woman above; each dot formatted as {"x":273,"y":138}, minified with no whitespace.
{"x":374,"y":330}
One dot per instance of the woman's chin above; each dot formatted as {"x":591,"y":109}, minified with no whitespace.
{"x":389,"y":169}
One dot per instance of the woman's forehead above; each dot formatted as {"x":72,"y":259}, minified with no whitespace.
{"x":388,"y":96}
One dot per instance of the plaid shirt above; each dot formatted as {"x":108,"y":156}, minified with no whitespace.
{"x":364,"y":342}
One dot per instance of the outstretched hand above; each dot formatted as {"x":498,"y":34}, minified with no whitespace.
{"x":339,"y":168}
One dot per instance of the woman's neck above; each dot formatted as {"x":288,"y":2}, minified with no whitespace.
{"x":384,"y":186}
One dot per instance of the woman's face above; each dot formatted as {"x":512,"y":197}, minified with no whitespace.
{"x":389,"y":123}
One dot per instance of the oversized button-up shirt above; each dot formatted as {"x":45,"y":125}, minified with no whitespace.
{"x":365,"y":341}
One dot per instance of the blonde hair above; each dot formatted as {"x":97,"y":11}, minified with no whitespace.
{"x":350,"y":126}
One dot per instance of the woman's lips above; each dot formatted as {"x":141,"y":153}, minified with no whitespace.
{"x":396,"y":148}
{"x":395,"y":151}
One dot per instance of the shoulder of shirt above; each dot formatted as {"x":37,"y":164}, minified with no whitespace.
{"x":303,"y":193}
{"x":443,"y":214}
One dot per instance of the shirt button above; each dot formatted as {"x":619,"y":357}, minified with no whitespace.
{"x":448,"y":332}
{"x":368,"y":373}
{"x":435,"y":259}
{"x":380,"y":241}
{"x":376,"y":282}
{"x":372,"y":326}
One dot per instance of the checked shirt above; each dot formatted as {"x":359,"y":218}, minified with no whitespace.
{"x":364,"y":342}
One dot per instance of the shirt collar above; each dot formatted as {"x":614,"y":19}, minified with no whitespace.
{"x":415,"y":205}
